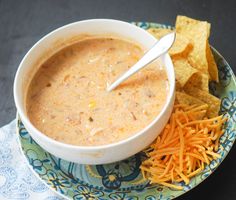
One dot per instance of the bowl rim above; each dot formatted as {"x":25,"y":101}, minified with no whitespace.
{"x":165,"y":58}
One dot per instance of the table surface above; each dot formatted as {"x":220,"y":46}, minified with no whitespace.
{"x":24,"y":22}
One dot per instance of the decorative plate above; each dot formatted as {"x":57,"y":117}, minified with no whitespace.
{"x":123,"y":180}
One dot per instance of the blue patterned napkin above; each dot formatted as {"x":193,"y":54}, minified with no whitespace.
{"x":17,"y":181}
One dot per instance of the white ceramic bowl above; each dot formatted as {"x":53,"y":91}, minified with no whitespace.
{"x":97,"y":154}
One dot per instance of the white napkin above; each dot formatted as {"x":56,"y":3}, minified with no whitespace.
{"x":16,"y":179}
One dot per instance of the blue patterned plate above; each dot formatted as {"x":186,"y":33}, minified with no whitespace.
{"x":123,"y":180}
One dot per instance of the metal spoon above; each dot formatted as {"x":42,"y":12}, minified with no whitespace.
{"x":159,"y":48}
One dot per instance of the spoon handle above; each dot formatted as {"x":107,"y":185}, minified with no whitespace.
{"x":159,"y":48}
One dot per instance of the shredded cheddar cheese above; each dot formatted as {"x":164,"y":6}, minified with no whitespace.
{"x":187,"y":143}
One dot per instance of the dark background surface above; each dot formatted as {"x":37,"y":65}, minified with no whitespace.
{"x":22,"y":23}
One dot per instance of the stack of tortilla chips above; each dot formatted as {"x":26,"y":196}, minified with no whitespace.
{"x":193,"y":62}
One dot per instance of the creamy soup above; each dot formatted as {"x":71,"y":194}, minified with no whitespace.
{"x":67,"y":98}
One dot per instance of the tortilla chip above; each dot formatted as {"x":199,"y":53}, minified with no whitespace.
{"x":183,"y":71}
{"x":199,"y":80}
{"x":184,"y":98}
{"x":178,"y":87}
{"x":159,"y":32}
{"x":212,"y":67}
{"x":181,"y":47}
{"x":197,"y":32}
{"x":212,"y":101}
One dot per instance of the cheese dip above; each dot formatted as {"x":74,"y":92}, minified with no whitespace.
{"x":67,"y":98}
